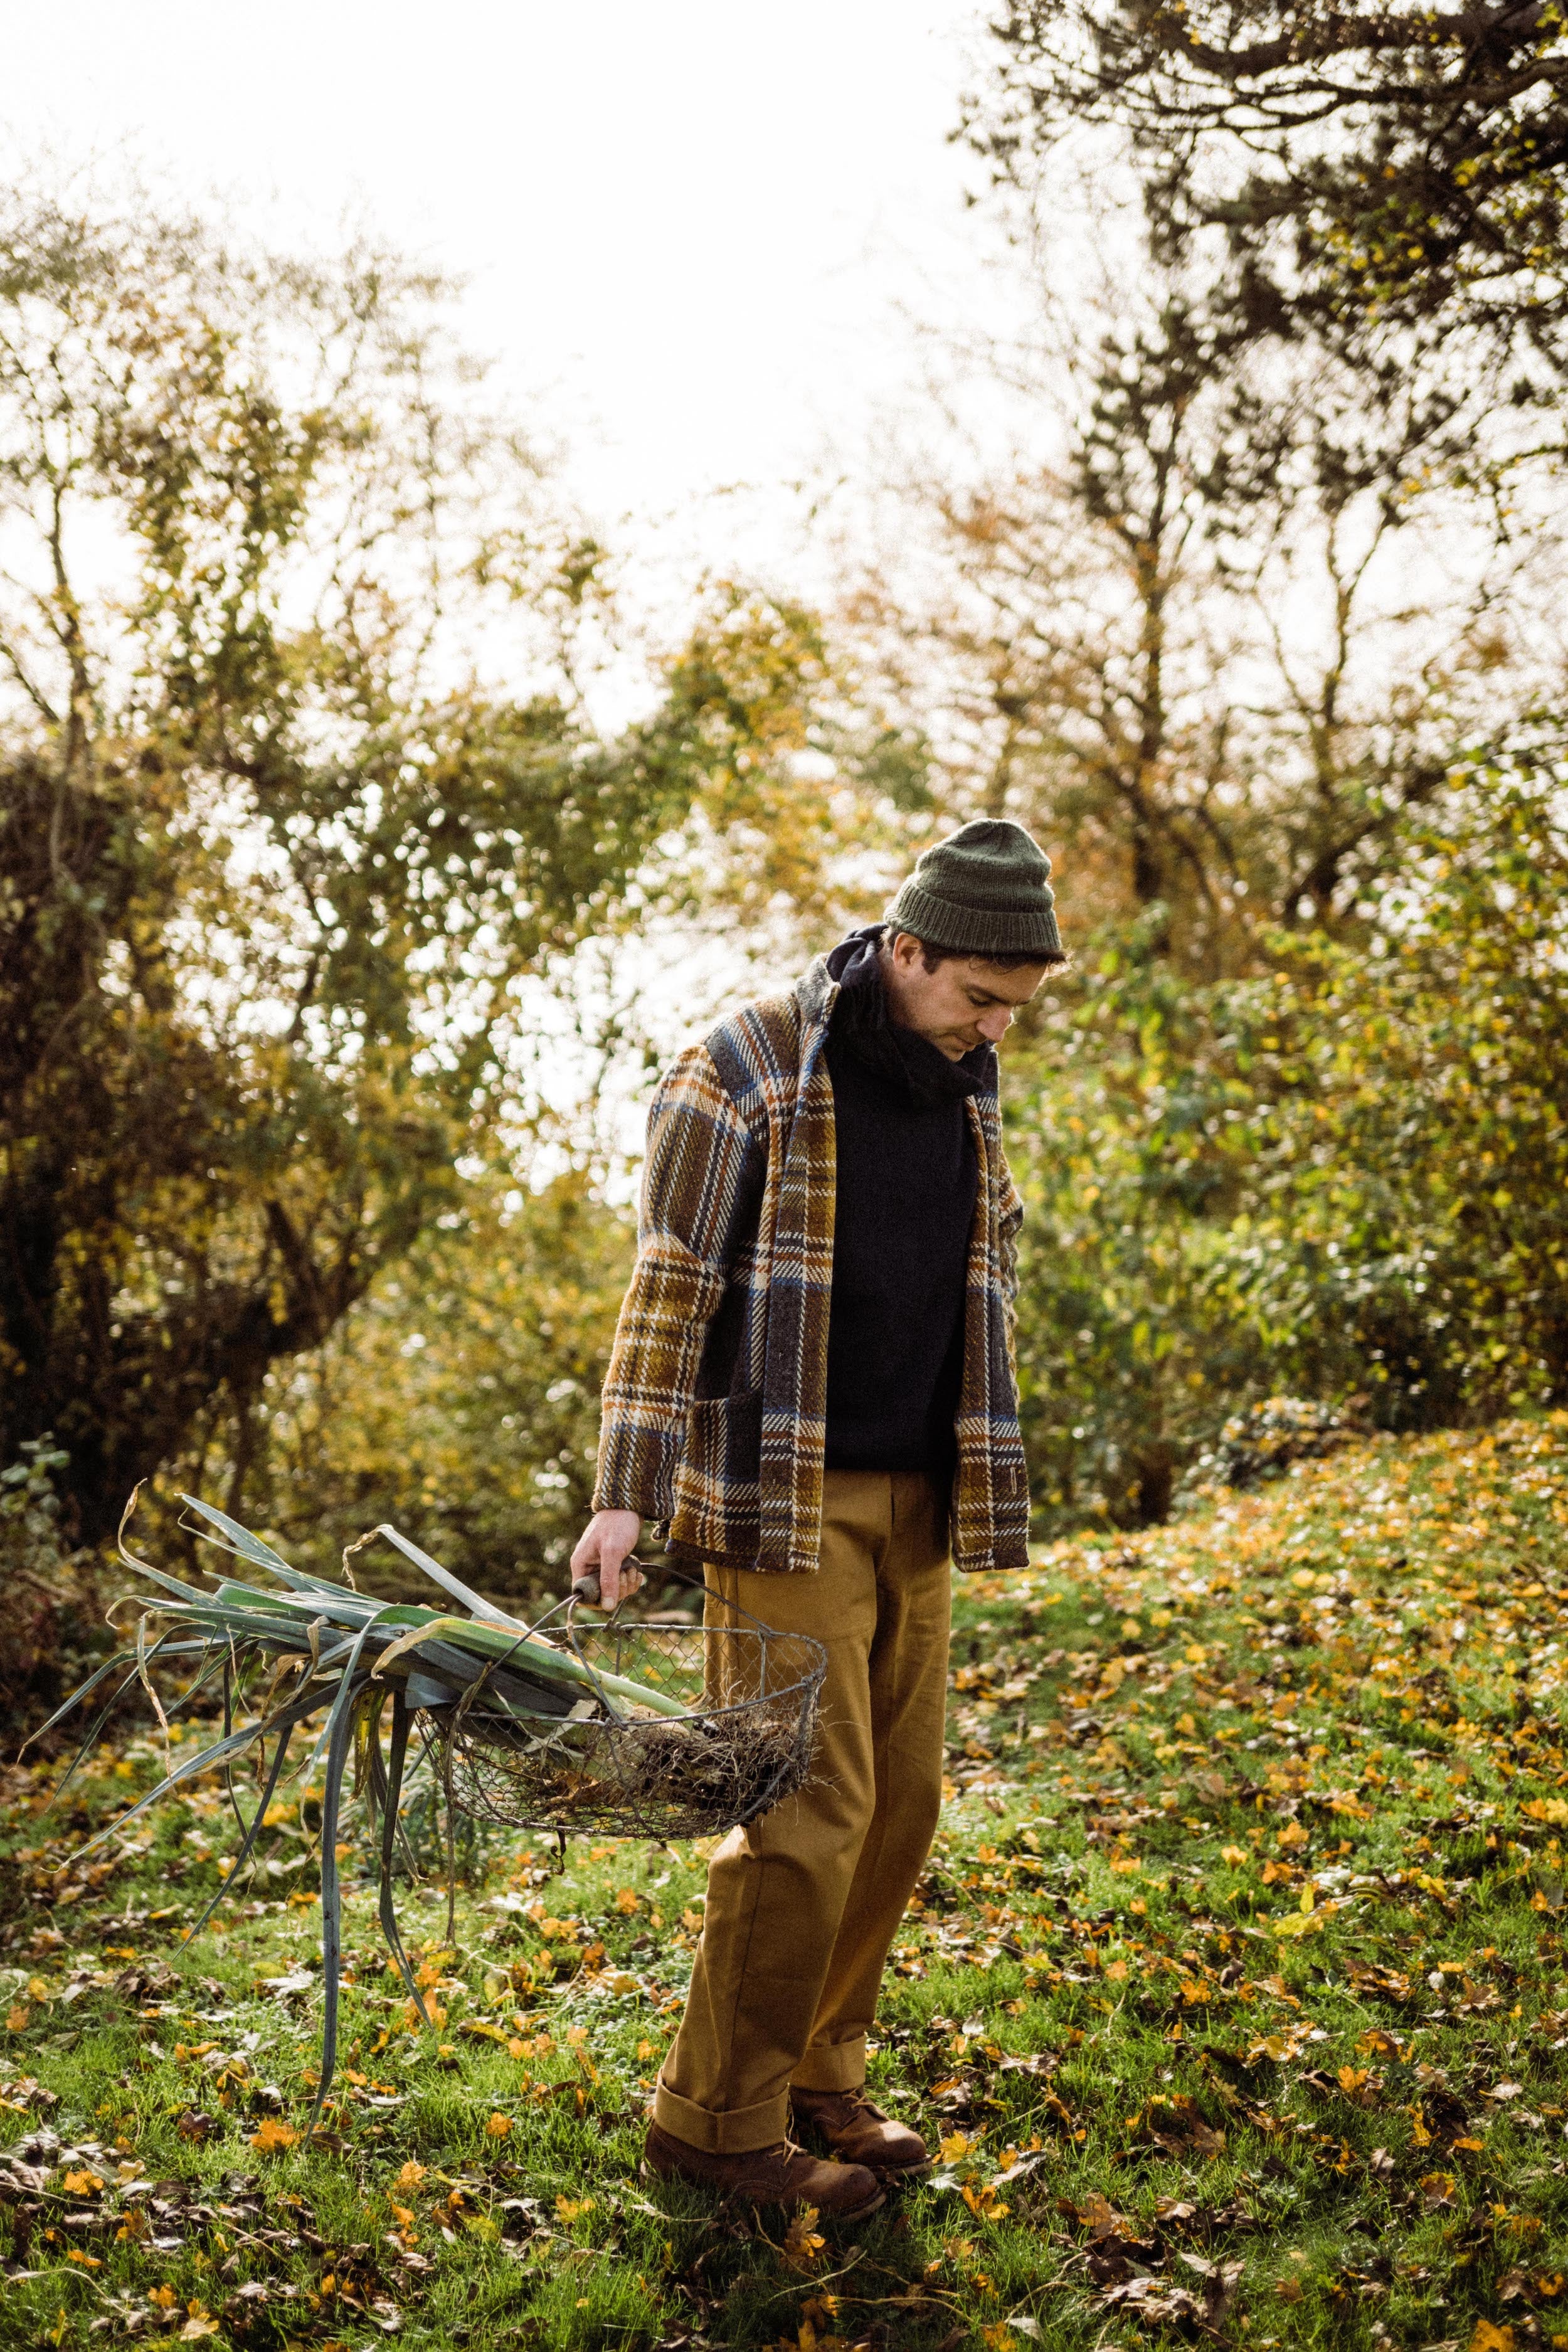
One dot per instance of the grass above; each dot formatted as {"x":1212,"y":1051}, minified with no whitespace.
{"x":1235,"y":1995}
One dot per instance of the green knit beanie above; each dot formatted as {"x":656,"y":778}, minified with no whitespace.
{"x":982,"y":892}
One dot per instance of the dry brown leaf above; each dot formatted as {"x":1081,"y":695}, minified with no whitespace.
{"x":804,"y":2242}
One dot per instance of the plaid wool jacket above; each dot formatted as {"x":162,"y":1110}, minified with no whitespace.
{"x":715,"y":1403}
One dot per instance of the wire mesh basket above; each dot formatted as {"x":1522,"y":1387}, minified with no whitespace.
{"x":736,"y":1739}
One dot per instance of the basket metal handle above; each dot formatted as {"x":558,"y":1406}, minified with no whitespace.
{"x":615,"y":1714}
{"x":585,"y":1588}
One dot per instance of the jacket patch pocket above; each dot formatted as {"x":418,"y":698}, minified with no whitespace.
{"x":720,"y":1460}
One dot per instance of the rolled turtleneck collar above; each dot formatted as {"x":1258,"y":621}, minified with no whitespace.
{"x":860,"y":1025}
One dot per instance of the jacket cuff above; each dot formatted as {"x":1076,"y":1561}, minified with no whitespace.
{"x":635,"y":1477}
{"x":610,"y":1495}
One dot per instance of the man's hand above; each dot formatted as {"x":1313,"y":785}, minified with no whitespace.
{"x":607,"y":1539}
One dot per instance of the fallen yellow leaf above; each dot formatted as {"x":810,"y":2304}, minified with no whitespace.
{"x":802,"y":2240}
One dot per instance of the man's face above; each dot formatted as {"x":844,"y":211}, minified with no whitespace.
{"x":961,"y":1004}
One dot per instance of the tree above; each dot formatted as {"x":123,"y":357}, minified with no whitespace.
{"x":274,"y":855}
{"x":1183,"y":648}
{"x":1390,"y":181}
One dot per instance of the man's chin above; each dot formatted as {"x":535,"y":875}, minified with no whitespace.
{"x":954,"y":1048}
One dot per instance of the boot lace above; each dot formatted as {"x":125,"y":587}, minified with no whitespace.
{"x":858,"y":2100}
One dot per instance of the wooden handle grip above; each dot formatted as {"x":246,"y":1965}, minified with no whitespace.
{"x":586,"y":1587}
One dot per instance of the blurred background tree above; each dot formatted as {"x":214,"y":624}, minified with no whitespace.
{"x":1204,"y":647}
{"x":276,"y":855}
{"x":1387,"y":183}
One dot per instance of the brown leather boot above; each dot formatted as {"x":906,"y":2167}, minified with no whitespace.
{"x":861,"y":2133}
{"x":780,"y":2175}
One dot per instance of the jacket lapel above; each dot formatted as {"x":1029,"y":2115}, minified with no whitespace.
{"x":795,"y":1373}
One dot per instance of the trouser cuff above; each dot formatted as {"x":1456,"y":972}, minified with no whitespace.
{"x":733,"y":2132}
{"x":832,"y":2066}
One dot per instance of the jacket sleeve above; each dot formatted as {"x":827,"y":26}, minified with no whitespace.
{"x":698,"y":1147}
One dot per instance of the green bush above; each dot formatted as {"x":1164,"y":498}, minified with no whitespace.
{"x":460,"y":1399}
{"x":1344,"y":1175}
{"x":50,"y":1619}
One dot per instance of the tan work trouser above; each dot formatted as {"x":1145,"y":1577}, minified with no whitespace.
{"x":803,"y":1904}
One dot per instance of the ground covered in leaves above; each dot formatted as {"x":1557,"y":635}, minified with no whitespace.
{"x":1235,"y":1995}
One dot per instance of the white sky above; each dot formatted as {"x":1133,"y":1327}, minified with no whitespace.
{"x":692,"y":225}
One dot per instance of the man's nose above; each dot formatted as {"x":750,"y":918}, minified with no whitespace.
{"x":994,"y":1025}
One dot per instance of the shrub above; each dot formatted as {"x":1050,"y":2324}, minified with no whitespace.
{"x":48,"y":1601}
{"x":459,"y":1401}
{"x":1343,"y":1174}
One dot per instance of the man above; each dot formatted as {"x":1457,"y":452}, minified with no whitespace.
{"x":812,"y":1392}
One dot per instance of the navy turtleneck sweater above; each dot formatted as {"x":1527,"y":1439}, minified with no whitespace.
{"x":906,"y":1188}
